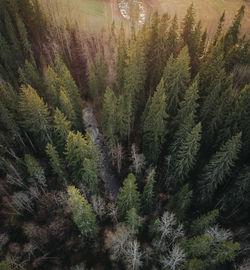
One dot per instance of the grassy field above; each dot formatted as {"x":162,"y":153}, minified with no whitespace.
{"x":208,"y":11}
{"x":93,"y":15}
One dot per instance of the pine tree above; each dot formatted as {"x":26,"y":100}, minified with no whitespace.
{"x":83,"y":214}
{"x":172,"y":38}
{"x":55,"y":162}
{"x":219,"y":167}
{"x":121,"y":58}
{"x":90,"y":176}
{"x":61,"y":128}
{"x":148,"y":192}
{"x":133,"y":221}
{"x":128,"y":197}
{"x":34,"y":114}
{"x":154,"y":128}
{"x":66,"y":107}
{"x":184,"y":159}
{"x":109,"y":118}
{"x":232,"y":35}
{"x":53,"y":84}
{"x":219,"y":28}
{"x":202,"y":223}
{"x":35,"y":170}
{"x":25,"y":39}
{"x":176,"y":78}
{"x":188,"y":26}
{"x":180,"y":202}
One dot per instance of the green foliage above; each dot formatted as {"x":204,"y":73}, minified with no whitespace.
{"x":83,"y":214}
{"x":154,"y":127}
{"x":180,"y":202}
{"x":184,"y":159}
{"x":133,"y":221}
{"x":90,"y":175}
{"x":219,"y":167}
{"x":202,"y":223}
{"x":148,"y":192}
{"x":109,"y":118}
{"x":34,"y":169}
{"x":176,"y":79}
{"x":34,"y":114}
{"x":55,"y":162}
{"x":4,"y":265}
{"x":128,"y":197}
{"x":195,"y":264}
{"x":81,"y":151}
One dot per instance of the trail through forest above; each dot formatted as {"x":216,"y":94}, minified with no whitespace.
{"x":107,"y":174}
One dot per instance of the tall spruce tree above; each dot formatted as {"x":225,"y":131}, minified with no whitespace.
{"x":128,"y":197}
{"x":34,"y":115}
{"x":176,"y":78}
{"x":154,"y":127}
{"x":148,"y":192}
{"x":219,"y":167}
{"x":83,"y":214}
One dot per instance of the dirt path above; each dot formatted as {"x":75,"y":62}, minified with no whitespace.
{"x":108,"y":176}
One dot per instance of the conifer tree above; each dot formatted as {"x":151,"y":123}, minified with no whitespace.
{"x":232,"y":35}
{"x":34,"y":114}
{"x":188,"y":26}
{"x":66,"y":107}
{"x":176,"y":78}
{"x":121,"y":58}
{"x":53,"y":84}
{"x":180,"y":202}
{"x":128,"y":197}
{"x":154,"y":127}
{"x":83,"y":214}
{"x":61,"y":128}
{"x":202,"y":223}
{"x":148,"y":192}
{"x":219,"y":167}
{"x":133,"y":221}
{"x":219,"y":28}
{"x":55,"y":162}
{"x":172,"y":38}
{"x":109,"y":118}
{"x":90,"y":175}
{"x":184,"y":159}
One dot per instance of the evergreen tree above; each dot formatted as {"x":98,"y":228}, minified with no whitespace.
{"x":154,"y":128}
{"x":61,"y":128}
{"x":188,"y":26}
{"x":90,"y":175}
{"x":219,"y":167}
{"x":180,"y":202}
{"x":128,"y":197}
{"x":55,"y":162}
{"x":172,"y":38}
{"x":219,"y":28}
{"x":133,"y":221}
{"x":184,"y":159}
{"x":202,"y":223}
{"x":176,"y":79}
{"x":232,"y":35}
{"x":109,"y":118}
{"x":34,"y":114}
{"x":148,"y":192}
{"x":83,"y":214}
{"x":121,"y":58}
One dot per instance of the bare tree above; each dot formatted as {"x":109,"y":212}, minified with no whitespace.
{"x":4,"y":239}
{"x":112,"y":211}
{"x":22,"y":201}
{"x":218,"y":234}
{"x":174,"y":259}
{"x":99,"y":206}
{"x":137,"y":159}
{"x":133,"y":255}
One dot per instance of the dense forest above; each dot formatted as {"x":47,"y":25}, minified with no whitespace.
{"x":128,"y":149}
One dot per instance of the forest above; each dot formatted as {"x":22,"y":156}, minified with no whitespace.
{"x":127,"y":148}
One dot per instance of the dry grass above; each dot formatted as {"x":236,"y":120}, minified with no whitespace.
{"x":208,"y":11}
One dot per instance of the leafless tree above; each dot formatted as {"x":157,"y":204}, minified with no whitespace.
{"x":218,"y":234}
{"x":99,"y":206}
{"x":4,"y":239}
{"x":137,"y":159}
{"x":29,"y":249}
{"x":22,"y":201}
{"x":133,"y":255}
{"x":174,"y":259}
{"x":117,"y":242}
